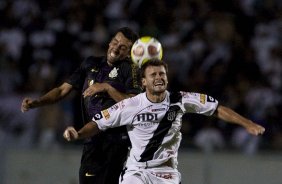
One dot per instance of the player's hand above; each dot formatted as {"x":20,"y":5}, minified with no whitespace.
{"x":26,"y":104}
{"x":70,"y":134}
{"x":255,"y":129}
{"x":94,"y":89}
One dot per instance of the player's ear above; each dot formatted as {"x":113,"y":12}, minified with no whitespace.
{"x":144,"y":82}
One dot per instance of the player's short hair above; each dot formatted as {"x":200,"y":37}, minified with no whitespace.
{"x":152,"y":62}
{"x":128,"y":33}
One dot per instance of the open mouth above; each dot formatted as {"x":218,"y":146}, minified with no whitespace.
{"x":112,"y":54}
{"x":159,"y":84}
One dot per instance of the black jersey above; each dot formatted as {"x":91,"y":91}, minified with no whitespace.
{"x":104,"y":155}
{"x":122,"y":76}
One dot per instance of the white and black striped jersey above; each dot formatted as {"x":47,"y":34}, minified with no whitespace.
{"x":154,"y":128}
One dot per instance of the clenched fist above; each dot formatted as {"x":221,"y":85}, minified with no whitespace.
{"x":70,"y":134}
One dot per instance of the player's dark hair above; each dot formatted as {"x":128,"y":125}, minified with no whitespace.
{"x":128,"y":33}
{"x":152,"y":62}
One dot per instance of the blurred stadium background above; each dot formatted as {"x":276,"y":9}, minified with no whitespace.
{"x":231,"y":50}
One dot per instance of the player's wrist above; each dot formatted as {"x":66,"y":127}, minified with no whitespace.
{"x":79,"y":136}
{"x":34,"y":104}
{"x":106,"y":87}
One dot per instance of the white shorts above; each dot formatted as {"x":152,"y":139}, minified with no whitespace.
{"x":161,"y":175}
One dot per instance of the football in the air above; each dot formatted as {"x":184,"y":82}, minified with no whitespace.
{"x":146,"y":48}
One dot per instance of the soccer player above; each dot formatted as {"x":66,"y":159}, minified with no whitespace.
{"x":103,"y":81}
{"x":153,"y":121}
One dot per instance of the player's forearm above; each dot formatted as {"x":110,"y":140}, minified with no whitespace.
{"x":115,"y":94}
{"x":52,"y":96}
{"x":88,"y":130}
{"x":49,"y":98}
{"x":228,"y":115}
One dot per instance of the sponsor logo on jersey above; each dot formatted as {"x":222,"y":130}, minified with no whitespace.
{"x":94,"y":70}
{"x":106,"y":114}
{"x":89,"y":174}
{"x":114,"y":108}
{"x":121,"y":104}
{"x":98,"y":116}
{"x":193,"y":94}
{"x":147,"y":117}
{"x":202,"y":98}
{"x":147,"y":124}
{"x":210,"y":99}
{"x":157,"y":110}
{"x":114,"y":73}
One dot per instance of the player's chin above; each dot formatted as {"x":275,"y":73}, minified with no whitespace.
{"x":159,"y":89}
{"x":113,"y":60}
{"x":111,"y":57}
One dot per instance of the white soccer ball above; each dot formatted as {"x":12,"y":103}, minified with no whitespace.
{"x":146,"y":48}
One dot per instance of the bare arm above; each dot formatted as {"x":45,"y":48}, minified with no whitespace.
{"x":228,"y":115}
{"x":50,"y":97}
{"x":87,"y":131}
{"x":105,"y":87}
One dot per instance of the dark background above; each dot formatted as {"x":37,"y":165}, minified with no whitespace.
{"x":230,"y":50}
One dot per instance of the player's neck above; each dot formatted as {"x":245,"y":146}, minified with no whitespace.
{"x":109,"y":63}
{"x":156,"y":97}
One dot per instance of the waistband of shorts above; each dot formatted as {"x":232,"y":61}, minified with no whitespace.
{"x":152,"y":163}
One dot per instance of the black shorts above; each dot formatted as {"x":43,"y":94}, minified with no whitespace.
{"x":103,"y":159}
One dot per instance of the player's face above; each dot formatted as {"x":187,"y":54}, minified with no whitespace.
{"x":155,"y":80}
{"x":119,"y":48}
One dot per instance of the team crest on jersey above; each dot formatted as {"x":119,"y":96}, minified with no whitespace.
{"x":114,"y":73}
{"x":171,"y":115}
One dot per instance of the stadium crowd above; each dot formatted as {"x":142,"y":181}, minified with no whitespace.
{"x":229,"y":49}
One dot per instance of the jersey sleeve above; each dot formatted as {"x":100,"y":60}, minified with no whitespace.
{"x":199,"y":103}
{"x":115,"y":116}
{"x":78,"y":76}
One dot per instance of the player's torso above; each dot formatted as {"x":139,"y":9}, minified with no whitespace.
{"x":151,"y":128}
{"x":102,"y":73}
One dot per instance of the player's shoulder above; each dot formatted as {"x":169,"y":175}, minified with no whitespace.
{"x":179,"y":96}
{"x":133,"y":102}
{"x":175,"y":96}
{"x":93,"y":60}
{"x":201,"y":97}
{"x":137,"y":98}
{"x":127,"y":104}
{"x":191,"y":95}
{"x":127,"y":63}
{"x":128,"y":69}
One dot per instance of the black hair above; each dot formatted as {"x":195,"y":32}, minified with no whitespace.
{"x":128,"y":33}
{"x":152,"y":62}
